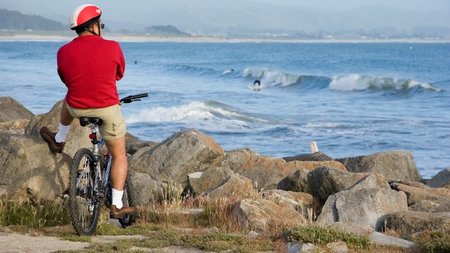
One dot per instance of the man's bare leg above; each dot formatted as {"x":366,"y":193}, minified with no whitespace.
{"x":118,"y":177}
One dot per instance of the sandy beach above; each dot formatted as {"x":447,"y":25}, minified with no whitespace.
{"x":202,"y":39}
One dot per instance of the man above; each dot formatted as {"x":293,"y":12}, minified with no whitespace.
{"x":90,"y":66}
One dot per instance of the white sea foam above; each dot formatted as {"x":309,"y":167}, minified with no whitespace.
{"x":355,"y":82}
{"x":209,"y":115}
{"x":270,"y":78}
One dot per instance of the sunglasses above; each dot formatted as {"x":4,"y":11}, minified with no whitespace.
{"x":102,"y":26}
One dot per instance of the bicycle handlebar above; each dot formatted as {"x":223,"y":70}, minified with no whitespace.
{"x":133,"y":98}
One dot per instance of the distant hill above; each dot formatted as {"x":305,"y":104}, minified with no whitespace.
{"x":14,"y":20}
{"x":168,"y":30}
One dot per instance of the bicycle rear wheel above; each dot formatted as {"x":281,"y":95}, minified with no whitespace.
{"x":127,"y":200}
{"x":83,"y":200}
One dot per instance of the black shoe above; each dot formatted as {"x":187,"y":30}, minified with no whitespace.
{"x":49,"y":137}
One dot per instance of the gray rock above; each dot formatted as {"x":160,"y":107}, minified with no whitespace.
{"x":235,"y":186}
{"x":14,"y":126}
{"x":407,"y":223}
{"x":297,"y":182}
{"x":209,"y":179}
{"x":169,"y":162}
{"x":267,"y":172}
{"x":442,"y":179}
{"x":424,"y":198}
{"x":323,"y":181}
{"x":78,"y":136}
{"x":144,"y":189}
{"x":338,"y":247}
{"x":300,"y":201}
{"x":381,"y":239}
{"x":393,"y":165}
{"x":361,"y":208}
{"x":317,"y":156}
{"x":134,"y":144}
{"x":261,"y":214}
{"x":371,"y":181}
{"x":298,"y":247}
{"x":28,"y":170}
{"x":10,"y":109}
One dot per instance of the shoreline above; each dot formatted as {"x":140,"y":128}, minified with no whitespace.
{"x":203,"y":39}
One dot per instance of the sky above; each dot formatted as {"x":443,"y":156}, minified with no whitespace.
{"x":258,"y":15}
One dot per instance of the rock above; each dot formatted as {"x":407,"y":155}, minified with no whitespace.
{"x":296,"y":182}
{"x":179,"y":155}
{"x":442,"y":179}
{"x":143,"y":188}
{"x":300,"y":201}
{"x":323,"y":181}
{"x":235,"y":186}
{"x":267,"y":172}
{"x":423,"y":198}
{"x":317,"y":156}
{"x":27,"y":169}
{"x":338,"y":247}
{"x":78,"y":136}
{"x":393,"y":165}
{"x":380,"y":239}
{"x":371,"y":181}
{"x":298,"y":247}
{"x":133,"y":144}
{"x":261,"y":215}
{"x":14,"y":126}
{"x":361,"y":208}
{"x":210,"y":179}
{"x":10,"y":109}
{"x":407,"y":223}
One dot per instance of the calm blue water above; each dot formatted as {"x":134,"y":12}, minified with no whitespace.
{"x":352,"y":99}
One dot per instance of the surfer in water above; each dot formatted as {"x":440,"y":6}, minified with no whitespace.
{"x":257,"y":85}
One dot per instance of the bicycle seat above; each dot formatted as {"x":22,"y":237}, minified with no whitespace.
{"x":84,"y":121}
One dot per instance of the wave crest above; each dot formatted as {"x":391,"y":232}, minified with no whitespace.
{"x":355,"y":82}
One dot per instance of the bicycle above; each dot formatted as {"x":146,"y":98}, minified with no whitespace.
{"x":89,"y":183}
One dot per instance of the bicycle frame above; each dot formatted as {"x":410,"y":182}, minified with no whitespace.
{"x":96,"y":147}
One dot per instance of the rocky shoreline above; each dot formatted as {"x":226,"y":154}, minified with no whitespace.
{"x":364,"y":194}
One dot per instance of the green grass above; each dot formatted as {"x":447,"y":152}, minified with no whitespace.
{"x":34,"y":215}
{"x":322,"y":236}
{"x":434,"y":241}
{"x":163,"y":226}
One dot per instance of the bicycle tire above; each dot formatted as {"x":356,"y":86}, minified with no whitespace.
{"x":83,"y":201}
{"x":127,"y":200}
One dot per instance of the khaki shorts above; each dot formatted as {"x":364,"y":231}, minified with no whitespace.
{"x":113,"y":125}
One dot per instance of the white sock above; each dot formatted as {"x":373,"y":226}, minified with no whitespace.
{"x":62,"y":133}
{"x":117,"y":198}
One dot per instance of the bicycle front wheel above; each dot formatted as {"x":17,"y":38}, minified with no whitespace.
{"x":83,"y":200}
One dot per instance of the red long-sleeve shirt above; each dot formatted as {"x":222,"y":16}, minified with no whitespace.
{"x":90,"y":66}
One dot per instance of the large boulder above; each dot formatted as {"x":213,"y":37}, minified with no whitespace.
{"x":208,"y":180}
{"x":10,"y":109}
{"x":267,"y":172}
{"x":324,"y":181}
{"x":14,"y":126}
{"x":442,"y":179}
{"x":393,"y":165}
{"x":362,"y":209}
{"x":78,"y":136}
{"x":171,"y":161}
{"x":317,"y":156}
{"x":261,"y":215}
{"x":296,"y":182}
{"x":234,"y":186}
{"x":423,"y":198}
{"x":406,"y":223}
{"x":28,"y":167}
{"x":300,"y":201}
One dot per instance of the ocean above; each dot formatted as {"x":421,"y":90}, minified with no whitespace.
{"x":351,"y":98}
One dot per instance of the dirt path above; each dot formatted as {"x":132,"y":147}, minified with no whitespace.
{"x":12,"y":242}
